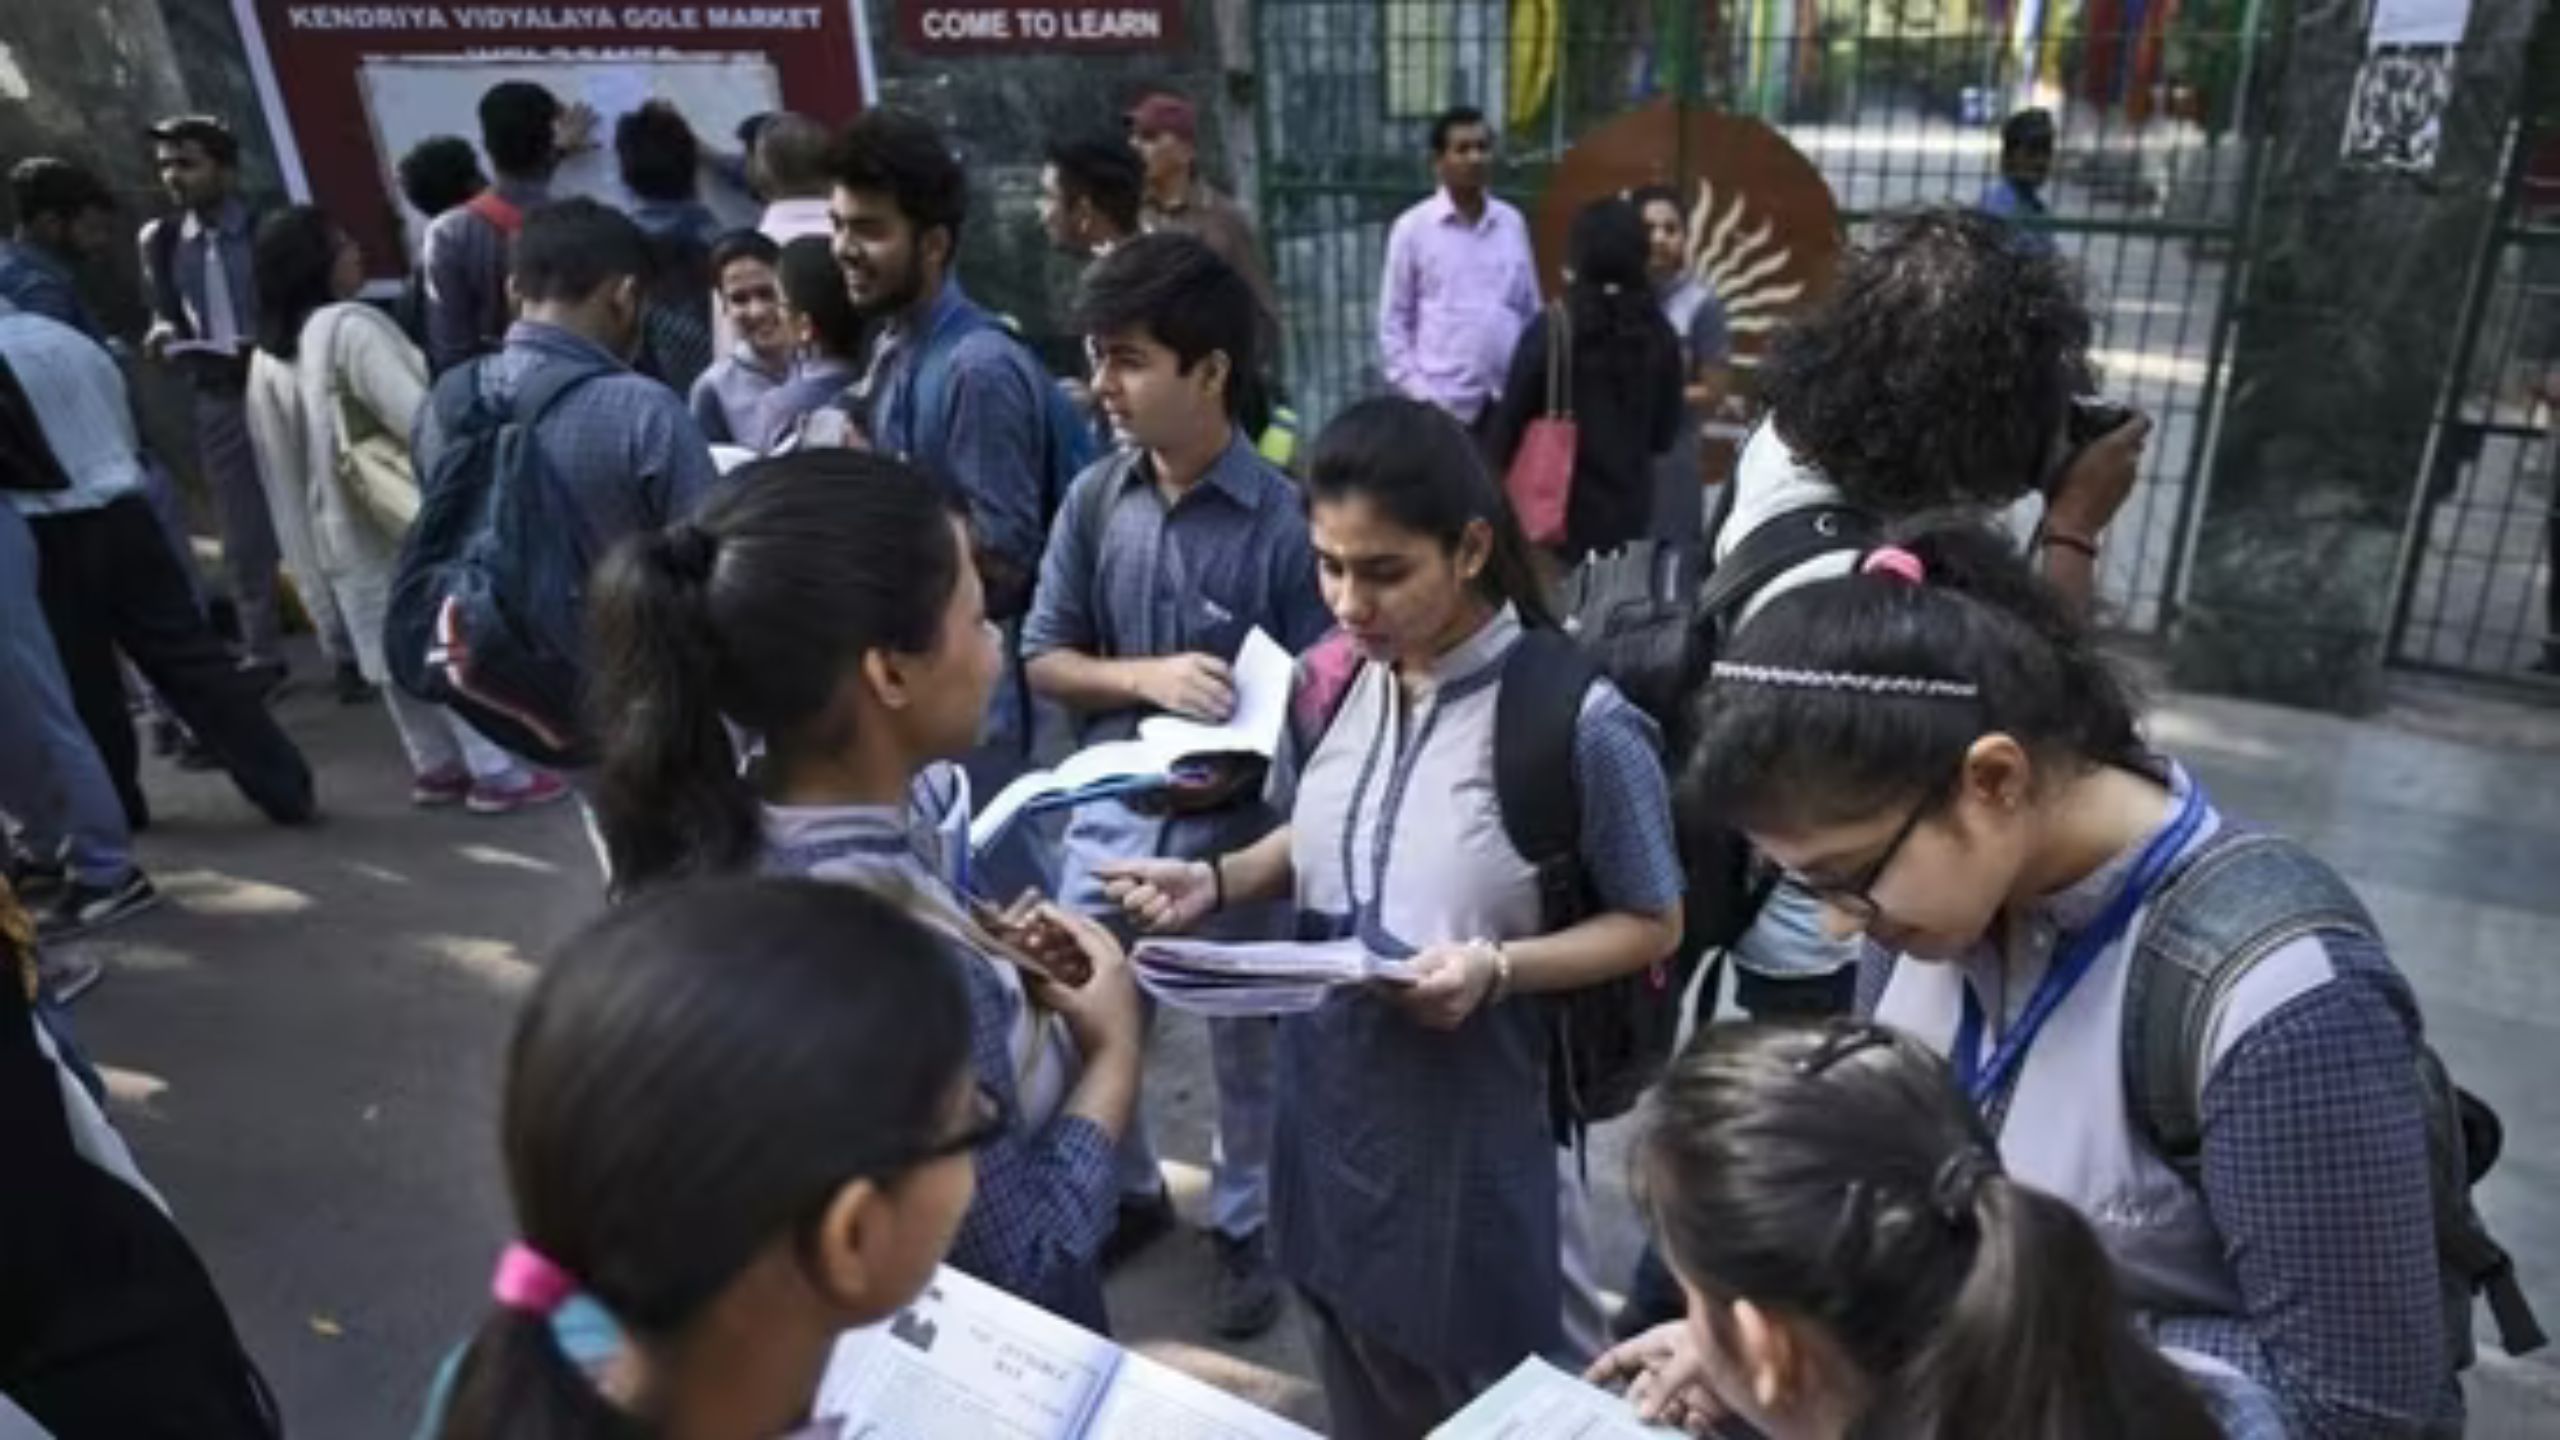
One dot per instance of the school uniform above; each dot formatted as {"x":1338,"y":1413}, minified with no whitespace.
{"x":1046,"y":1193}
{"x":1415,"y":1197}
{"x":1136,"y":575}
{"x":2306,"y":1260}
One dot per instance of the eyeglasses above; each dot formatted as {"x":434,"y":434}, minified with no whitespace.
{"x":1855,"y":897}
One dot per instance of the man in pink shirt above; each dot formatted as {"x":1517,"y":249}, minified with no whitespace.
{"x":1460,"y":282}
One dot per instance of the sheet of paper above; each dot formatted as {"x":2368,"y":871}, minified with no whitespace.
{"x":1264,"y":674}
{"x":176,"y":348}
{"x":966,"y":1362}
{"x":1260,"y":978}
{"x":1537,"y":1401}
{"x":613,"y":92}
{"x":1149,"y":1401}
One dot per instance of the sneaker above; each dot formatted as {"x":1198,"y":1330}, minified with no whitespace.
{"x":1144,"y":1220}
{"x":543,"y":789}
{"x":68,"y":977}
{"x":439,"y":788}
{"x":33,"y":879}
{"x":353,"y":688}
{"x":1246,"y":1298}
{"x":83,"y":908}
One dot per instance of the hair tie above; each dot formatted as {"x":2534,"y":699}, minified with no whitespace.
{"x":1959,"y":1182}
{"x":528,"y":1282}
{"x":1897,"y":562}
{"x":691,"y":551}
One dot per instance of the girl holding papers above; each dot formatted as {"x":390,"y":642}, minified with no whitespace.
{"x":825,"y":602}
{"x":1416,"y":1198}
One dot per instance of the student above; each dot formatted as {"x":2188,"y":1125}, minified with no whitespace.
{"x":64,"y":217}
{"x":1089,"y":194}
{"x":1857,"y":1263}
{"x":789,"y":169}
{"x":436,"y":175}
{"x":526,"y":133}
{"x":203,"y":291}
{"x":825,"y":602}
{"x":1415,"y":1192}
{"x":330,"y":373}
{"x":2026,"y":164}
{"x":1689,"y":302}
{"x":660,"y":163}
{"x":826,"y":336}
{"x":1459,"y":283}
{"x":745,"y":274}
{"x":1622,"y":377}
{"x":1938,"y":753}
{"x":108,"y":583}
{"x":1166,"y":555}
{"x":738,"y":1121}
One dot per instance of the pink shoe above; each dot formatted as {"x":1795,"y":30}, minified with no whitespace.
{"x":543,"y":788}
{"x":436,"y":789}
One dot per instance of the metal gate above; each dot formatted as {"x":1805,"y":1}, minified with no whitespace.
{"x":2477,"y":590}
{"x":1897,"y":101}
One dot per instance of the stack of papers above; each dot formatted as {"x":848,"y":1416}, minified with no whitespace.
{"x":969,"y":1362}
{"x":1537,"y":1401}
{"x":1263,"y":675}
{"x":1278,"y":978}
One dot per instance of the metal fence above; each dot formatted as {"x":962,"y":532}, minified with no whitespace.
{"x":2479,"y":594}
{"x":1897,"y":102}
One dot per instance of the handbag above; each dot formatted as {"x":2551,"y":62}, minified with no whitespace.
{"x":1540,"y":481}
{"x":373,"y":462}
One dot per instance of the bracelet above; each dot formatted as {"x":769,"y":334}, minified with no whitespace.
{"x":1501,"y":971}
{"x":1217,"y":883}
{"x":2069,"y":541}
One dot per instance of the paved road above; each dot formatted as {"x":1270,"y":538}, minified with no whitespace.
{"x":305,"y":1041}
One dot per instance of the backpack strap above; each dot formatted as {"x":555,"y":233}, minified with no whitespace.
{"x":1776,"y":546}
{"x":2239,"y":899}
{"x":501,"y":213}
{"x":1092,"y":520}
{"x":1535,"y":717}
{"x":167,"y":302}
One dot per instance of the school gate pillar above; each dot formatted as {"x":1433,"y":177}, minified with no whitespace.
{"x":2369,"y":220}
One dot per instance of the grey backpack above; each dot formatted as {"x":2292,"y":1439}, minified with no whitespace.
{"x":2241,"y":898}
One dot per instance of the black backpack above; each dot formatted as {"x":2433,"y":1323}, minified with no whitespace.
{"x":27,"y":460}
{"x":487,"y":610}
{"x":2243,"y":897}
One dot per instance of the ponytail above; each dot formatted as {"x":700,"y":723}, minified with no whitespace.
{"x":517,"y":1383}
{"x":751,"y":615}
{"x":670,"y":800}
{"x":1848,"y":697}
{"x":2035,"y":1340}
{"x":1835,"y":1174}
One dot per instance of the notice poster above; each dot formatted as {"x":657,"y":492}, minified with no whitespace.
{"x":348,"y":88}
{"x":2395,"y":117}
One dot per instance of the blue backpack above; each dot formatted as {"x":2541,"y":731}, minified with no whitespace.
{"x":1067,"y":440}
{"x":487,"y":608}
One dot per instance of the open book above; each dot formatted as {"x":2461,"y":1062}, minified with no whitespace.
{"x":1537,"y":1401}
{"x":1259,"y":978}
{"x":1164,"y":744}
{"x":969,"y":1362}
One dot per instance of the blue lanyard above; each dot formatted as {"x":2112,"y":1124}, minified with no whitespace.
{"x":1984,"y":1080}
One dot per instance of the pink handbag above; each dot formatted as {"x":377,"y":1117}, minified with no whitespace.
{"x":1540,"y":482}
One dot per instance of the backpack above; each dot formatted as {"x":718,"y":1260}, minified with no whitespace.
{"x":27,"y":461}
{"x":1068,"y":440}
{"x":2241,"y":898}
{"x":487,"y":605}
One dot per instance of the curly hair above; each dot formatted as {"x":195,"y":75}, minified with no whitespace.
{"x":1941,"y":369}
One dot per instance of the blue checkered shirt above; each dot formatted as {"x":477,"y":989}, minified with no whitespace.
{"x":1047,"y":1198}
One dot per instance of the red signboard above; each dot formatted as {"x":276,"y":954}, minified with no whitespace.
{"x":988,"y":27}
{"x":347,"y":87}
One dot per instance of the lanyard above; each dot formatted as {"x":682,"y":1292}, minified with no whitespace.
{"x":1984,"y":1081}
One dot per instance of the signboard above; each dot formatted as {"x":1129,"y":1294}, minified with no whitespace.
{"x":988,"y":27}
{"x":348,"y":88}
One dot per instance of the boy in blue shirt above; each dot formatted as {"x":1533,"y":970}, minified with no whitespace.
{"x":1164,"y":557}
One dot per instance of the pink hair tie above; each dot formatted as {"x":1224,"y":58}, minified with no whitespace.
{"x":1897,"y":562}
{"x":528,"y":1281}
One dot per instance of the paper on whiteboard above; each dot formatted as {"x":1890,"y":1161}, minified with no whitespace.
{"x":613,"y":91}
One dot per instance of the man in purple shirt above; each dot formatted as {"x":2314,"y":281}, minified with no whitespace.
{"x":1460,"y":282}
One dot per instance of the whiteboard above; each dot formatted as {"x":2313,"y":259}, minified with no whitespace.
{"x":411,"y":97}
